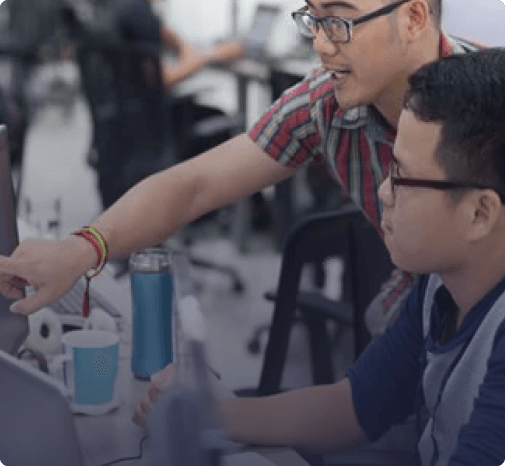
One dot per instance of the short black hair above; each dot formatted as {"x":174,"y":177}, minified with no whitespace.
{"x":466,"y":94}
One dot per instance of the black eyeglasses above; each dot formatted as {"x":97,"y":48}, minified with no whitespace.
{"x":338,"y":30}
{"x":397,"y":180}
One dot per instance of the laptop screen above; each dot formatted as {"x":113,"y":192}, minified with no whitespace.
{"x":13,"y":328}
{"x":261,"y":28}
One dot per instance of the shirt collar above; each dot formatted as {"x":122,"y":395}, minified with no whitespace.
{"x":443,"y":303}
{"x":356,"y":117}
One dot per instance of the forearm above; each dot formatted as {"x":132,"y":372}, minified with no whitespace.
{"x":160,"y":205}
{"x":318,"y":418}
{"x":150,"y":212}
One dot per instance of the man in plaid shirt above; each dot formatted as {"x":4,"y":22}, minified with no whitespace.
{"x":307,"y":125}
{"x":345,"y":113}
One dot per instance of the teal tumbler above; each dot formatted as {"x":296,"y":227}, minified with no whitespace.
{"x":152,"y":295}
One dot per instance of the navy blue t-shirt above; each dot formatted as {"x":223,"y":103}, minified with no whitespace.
{"x":386,"y":379}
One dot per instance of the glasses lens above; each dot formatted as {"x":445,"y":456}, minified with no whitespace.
{"x":306,"y":24}
{"x":335,"y":29}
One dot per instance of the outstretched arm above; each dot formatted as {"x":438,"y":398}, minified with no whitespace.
{"x":146,"y":215}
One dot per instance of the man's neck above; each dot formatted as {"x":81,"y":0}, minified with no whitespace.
{"x":390,"y":102}
{"x":469,"y":285}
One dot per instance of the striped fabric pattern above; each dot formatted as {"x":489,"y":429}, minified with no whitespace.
{"x":305,"y":125}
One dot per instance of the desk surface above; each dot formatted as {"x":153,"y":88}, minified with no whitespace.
{"x":113,"y":436}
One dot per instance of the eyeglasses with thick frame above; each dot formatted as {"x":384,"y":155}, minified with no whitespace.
{"x":397,"y":180}
{"x":337,"y":29}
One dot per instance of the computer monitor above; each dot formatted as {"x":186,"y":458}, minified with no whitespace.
{"x":13,"y":327}
{"x":256,"y":38}
{"x":36,"y":424}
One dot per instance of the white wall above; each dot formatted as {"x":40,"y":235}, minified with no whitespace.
{"x":207,"y":20}
{"x":481,"y":20}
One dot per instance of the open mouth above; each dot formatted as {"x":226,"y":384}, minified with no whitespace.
{"x":338,"y":76}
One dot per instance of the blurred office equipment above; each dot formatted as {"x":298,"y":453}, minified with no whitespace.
{"x":35,"y":27}
{"x":13,"y":327}
{"x":184,"y":424}
{"x":344,"y":233}
{"x":256,"y":39}
{"x":139,"y":128}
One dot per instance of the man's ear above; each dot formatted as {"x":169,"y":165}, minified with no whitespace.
{"x":416,"y":18}
{"x":484,"y":210}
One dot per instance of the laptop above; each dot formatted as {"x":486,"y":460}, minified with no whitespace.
{"x":13,"y":328}
{"x":36,"y":425}
{"x":256,"y":39}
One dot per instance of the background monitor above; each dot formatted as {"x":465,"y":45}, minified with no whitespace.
{"x":13,"y":327}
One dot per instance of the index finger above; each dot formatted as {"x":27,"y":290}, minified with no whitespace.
{"x":10,"y":266}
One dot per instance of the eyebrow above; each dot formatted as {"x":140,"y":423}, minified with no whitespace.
{"x":334,"y":4}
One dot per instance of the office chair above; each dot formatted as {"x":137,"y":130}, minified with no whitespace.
{"x":344,"y":233}
{"x":139,"y":129}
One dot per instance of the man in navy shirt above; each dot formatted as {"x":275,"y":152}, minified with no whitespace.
{"x":444,"y":356}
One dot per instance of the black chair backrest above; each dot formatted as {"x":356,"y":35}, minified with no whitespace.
{"x":345,"y":233}
{"x":123,"y":85}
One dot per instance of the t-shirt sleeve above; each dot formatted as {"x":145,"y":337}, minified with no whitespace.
{"x":386,"y":378}
{"x":482,"y":440}
{"x":290,"y":131}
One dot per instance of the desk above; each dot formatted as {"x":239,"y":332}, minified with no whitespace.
{"x":114,"y":435}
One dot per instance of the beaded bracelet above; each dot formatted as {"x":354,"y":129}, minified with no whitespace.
{"x":97,"y":240}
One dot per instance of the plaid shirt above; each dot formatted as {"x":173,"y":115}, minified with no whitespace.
{"x":305,"y":125}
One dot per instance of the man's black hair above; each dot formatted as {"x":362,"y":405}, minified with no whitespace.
{"x":466,"y":94}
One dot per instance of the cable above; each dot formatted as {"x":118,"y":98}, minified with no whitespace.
{"x":130,"y":458}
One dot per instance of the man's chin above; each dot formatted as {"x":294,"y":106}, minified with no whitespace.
{"x":346,"y":102}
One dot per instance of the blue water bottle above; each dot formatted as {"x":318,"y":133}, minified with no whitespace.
{"x":152,"y":295}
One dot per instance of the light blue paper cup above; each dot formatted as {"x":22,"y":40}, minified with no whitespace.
{"x":89,"y":368}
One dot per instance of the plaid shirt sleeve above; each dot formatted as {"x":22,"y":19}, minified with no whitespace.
{"x":289,"y":132}
{"x":385,"y":307}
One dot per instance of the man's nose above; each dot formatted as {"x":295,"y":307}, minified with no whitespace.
{"x":385,"y":193}
{"x":322,"y":45}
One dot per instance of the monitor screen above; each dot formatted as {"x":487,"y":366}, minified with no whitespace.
{"x":13,"y":327}
{"x":257,"y":37}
